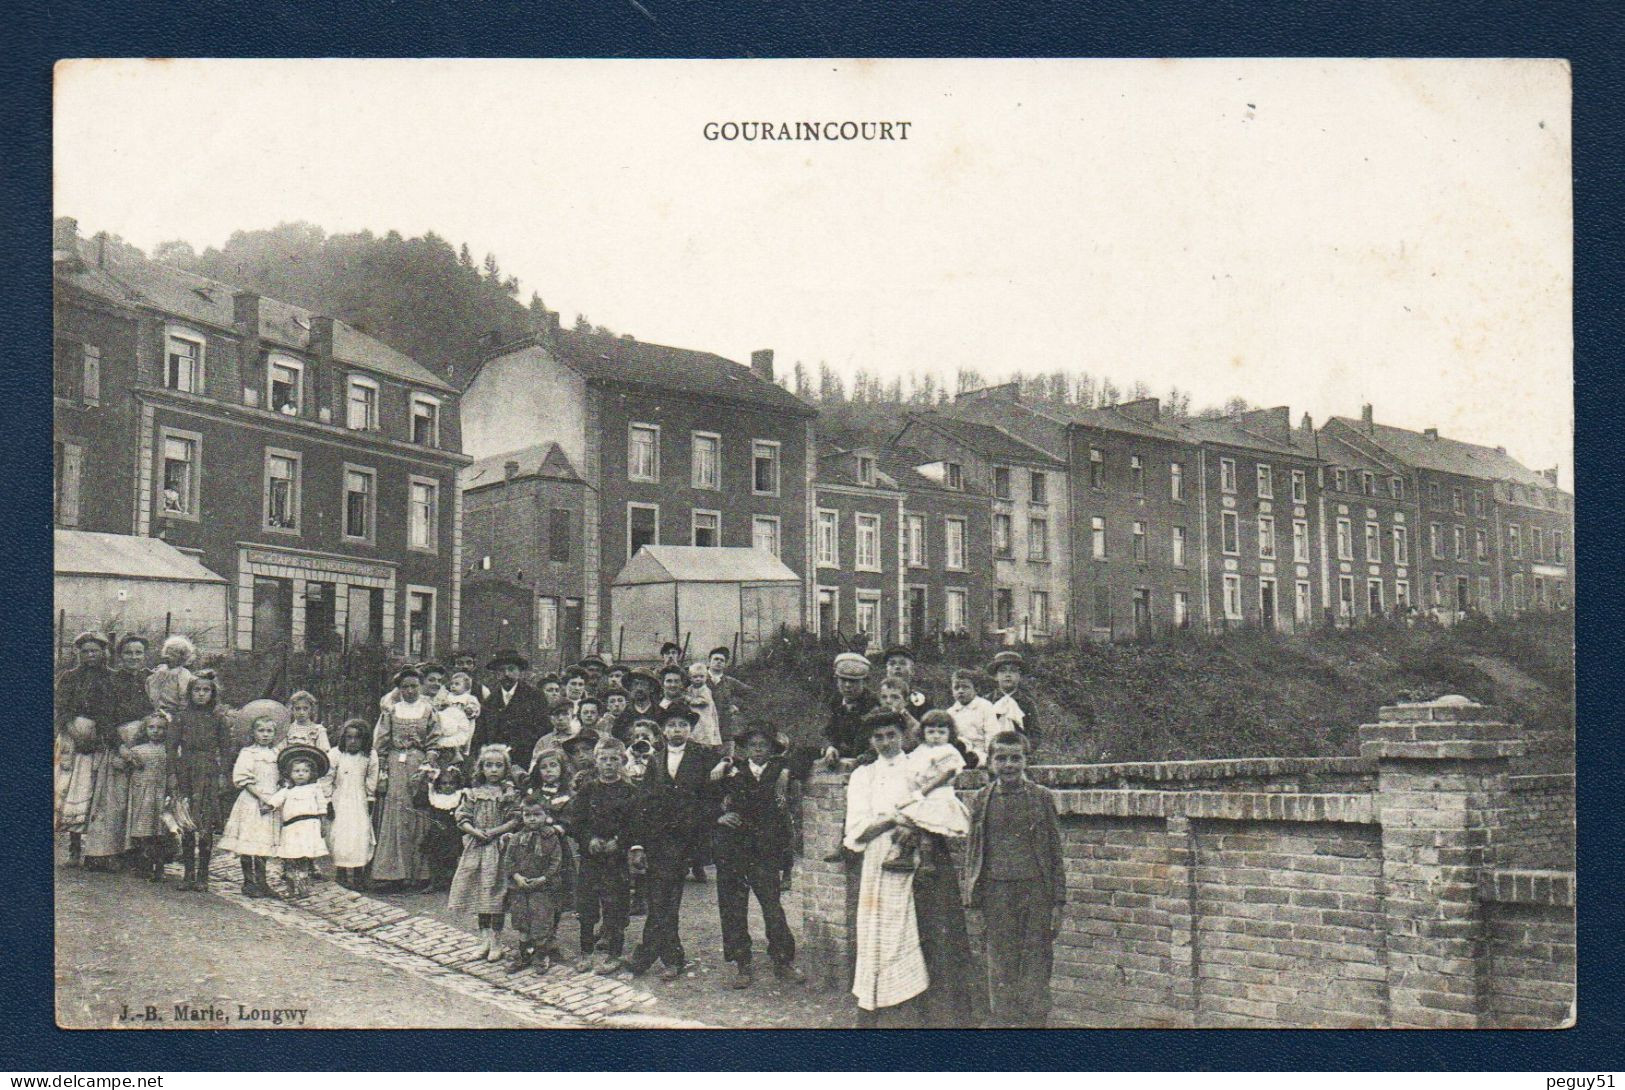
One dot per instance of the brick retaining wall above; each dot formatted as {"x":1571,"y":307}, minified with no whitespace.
{"x":1279,"y":891}
{"x":1538,"y":830}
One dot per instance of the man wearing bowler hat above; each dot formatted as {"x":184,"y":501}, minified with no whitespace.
{"x":515,"y":716}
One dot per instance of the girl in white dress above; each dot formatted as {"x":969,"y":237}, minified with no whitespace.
{"x":254,"y":826}
{"x":301,"y":804}
{"x":934,"y":807}
{"x":355,"y":787}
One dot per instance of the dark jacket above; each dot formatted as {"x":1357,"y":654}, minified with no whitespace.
{"x":760,"y":804}
{"x":517,"y":724}
{"x":603,"y":810}
{"x":88,"y":691}
{"x":845,"y":730}
{"x":688,"y":802}
{"x":1039,"y":803}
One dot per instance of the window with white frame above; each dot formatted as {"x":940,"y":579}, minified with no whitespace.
{"x":547,"y":623}
{"x":953,"y":552}
{"x":1136,"y":474}
{"x":1266,"y":483}
{"x":866,"y":470}
{"x":642,"y":526}
{"x":1178,"y":546}
{"x":1001,"y":482}
{"x":425,"y":420}
{"x":1402,"y":545}
{"x":1038,"y":486}
{"x":1436,"y":540}
{"x":1301,"y":602}
{"x":1232,"y":597}
{"x":1368,"y":483}
{"x":1481,"y":545}
{"x":1345,"y":539}
{"x":1097,"y":537}
{"x":1300,"y":541}
{"x":420,"y":622}
{"x":361,"y":404}
{"x":1138,"y":530}
{"x":868,"y":614}
{"x":953,"y":476}
{"x":1402,"y":594}
{"x":867,"y":533}
{"x":1373,"y":543}
{"x":1373,"y":597}
{"x":953,"y":603}
{"x":1266,"y":537}
{"x":180,"y":473}
{"x":914,"y":540}
{"x":1230,"y":532}
{"x":828,"y":538}
{"x":1458,"y":540}
{"x":1396,"y":490}
{"x":764,"y":460}
{"x":1515,"y":542}
{"x":1002,"y":534}
{"x":360,"y":502}
{"x":643,"y":452}
{"x":1097,"y":468}
{"x":284,"y":382}
{"x":706,"y":529}
{"x":1300,"y":486}
{"x":1038,"y":612}
{"x":764,"y":532}
{"x":1537,"y":543}
{"x":707,"y":461}
{"x":1458,"y":502}
{"x":1345,"y":596}
{"x":423,"y":515}
{"x":282,"y":490}
{"x":1176,"y":481}
{"x":1182,"y":609}
{"x":1340,"y":478}
{"x":183,"y":361}
{"x":1227,"y":474}
{"x":1037,"y":538}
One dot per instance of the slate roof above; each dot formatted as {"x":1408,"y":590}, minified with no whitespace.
{"x":603,"y":358}
{"x":838,"y":467}
{"x":694,"y":564}
{"x":898,"y":463}
{"x":992,"y":443}
{"x":1235,"y":434}
{"x":191,"y":297}
{"x":1110,"y":419}
{"x":126,"y":556}
{"x":540,"y":460}
{"x":1444,"y":455}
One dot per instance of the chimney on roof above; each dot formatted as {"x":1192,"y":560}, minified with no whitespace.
{"x":1273,"y":423}
{"x":245,"y":312}
{"x":65,"y":242}
{"x":1500,"y":450}
{"x":1308,"y":423}
{"x":1147,"y":409}
{"x":1430,"y":433}
{"x":761,"y":364}
{"x":510,"y":469}
{"x":1365,"y":418}
{"x":1550,"y":475}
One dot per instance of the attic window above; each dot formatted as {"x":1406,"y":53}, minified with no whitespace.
{"x":866,"y":470}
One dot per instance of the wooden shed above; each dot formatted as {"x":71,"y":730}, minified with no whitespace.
{"x":701,"y":597}
{"x":124,"y":583}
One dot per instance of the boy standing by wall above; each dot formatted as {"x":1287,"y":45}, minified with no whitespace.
{"x":1013,"y":707}
{"x":1015,"y":878}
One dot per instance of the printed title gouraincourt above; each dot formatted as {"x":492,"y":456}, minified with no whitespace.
{"x":806,"y":130}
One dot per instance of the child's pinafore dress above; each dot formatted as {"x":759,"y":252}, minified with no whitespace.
{"x":249,"y":832}
{"x":479,"y":884}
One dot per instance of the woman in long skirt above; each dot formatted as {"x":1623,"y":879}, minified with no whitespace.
{"x":401,"y":742}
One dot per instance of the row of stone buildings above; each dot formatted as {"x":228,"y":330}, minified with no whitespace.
{"x":347,"y":494}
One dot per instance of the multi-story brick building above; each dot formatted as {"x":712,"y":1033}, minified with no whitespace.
{"x":857,"y":523}
{"x":1260,"y":485}
{"x":1030,"y":529}
{"x":309,"y":464}
{"x":675,"y":446}
{"x":1478,"y":510}
{"x":524,"y":580}
{"x":945,"y":549}
{"x":1368,"y":517}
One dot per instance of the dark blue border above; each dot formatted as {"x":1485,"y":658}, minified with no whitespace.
{"x":1591,"y":35}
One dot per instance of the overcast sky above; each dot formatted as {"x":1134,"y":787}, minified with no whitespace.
{"x":1316,"y":234}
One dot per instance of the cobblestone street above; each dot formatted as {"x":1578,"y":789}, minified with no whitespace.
{"x":352,"y":960}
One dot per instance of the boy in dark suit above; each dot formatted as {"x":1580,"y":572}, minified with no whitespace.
{"x":1014,"y":877}
{"x":751,"y":837}
{"x":601,"y":818}
{"x":678,"y":805}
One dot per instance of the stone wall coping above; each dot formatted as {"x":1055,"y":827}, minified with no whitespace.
{"x":1078,"y":775}
{"x":1447,"y":709}
{"x":1356,"y":809}
{"x":1528,"y":887}
{"x":1461,"y":749}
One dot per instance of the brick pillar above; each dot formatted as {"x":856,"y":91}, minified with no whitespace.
{"x":826,"y":941}
{"x":1442,"y":768}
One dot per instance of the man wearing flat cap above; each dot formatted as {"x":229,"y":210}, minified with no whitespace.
{"x":899,"y":662}
{"x":845,"y":734}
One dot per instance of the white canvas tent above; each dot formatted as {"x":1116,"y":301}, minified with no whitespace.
{"x":738,"y":598}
